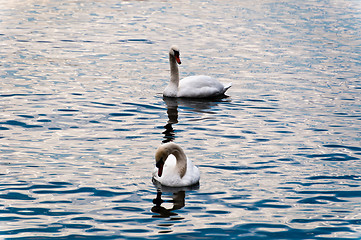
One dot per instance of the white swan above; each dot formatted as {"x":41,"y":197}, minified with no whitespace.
{"x":193,"y":86}
{"x":173,"y":169}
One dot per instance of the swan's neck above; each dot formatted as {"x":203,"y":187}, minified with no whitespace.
{"x":181,"y":161}
{"x":174,"y":73}
{"x":172,"y":89}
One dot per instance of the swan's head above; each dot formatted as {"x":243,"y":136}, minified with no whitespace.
{"x":174,"y":51}
{"x":162,"y":154}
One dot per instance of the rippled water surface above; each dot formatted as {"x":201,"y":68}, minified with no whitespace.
{"x":82,"y":114}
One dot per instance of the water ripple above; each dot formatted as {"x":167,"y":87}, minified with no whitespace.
{"x":93,"y":191}
{"x":15,"y":195}
{"x":36,"y":211}
{"x":333,"y":157}
{"x":356,"y":149}
{"x":20,"y":124}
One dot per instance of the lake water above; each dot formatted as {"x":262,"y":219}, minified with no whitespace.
{"x":82,"y":115}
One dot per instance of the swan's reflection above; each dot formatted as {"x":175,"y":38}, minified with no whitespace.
{"x":178,"y":199}
{"x":172,"y":112}
{"x":196,"y":105}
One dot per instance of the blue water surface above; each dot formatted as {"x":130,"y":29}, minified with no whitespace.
{"x":83,"y":114}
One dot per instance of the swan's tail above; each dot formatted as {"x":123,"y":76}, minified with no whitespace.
{"x":227,"y":87}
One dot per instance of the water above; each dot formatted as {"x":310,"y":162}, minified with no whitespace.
{"x":82,"y":116}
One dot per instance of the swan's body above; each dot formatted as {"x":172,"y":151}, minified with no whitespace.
{"x":173,"y":168}
{"x":191,"y":87}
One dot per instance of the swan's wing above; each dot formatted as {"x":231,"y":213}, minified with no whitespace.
{"x":192,"y":175}
{"x":200,"y":81}
{"x":200,"y":87}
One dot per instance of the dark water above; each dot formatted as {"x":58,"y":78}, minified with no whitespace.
{"x":82,"y":115}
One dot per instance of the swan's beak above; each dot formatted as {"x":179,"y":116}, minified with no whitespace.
{"x":178,"y":60}
{"x":160,"y":165}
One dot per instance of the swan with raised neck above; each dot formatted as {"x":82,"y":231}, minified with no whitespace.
{"x":173,"y":168}
{"x":191,"y":87}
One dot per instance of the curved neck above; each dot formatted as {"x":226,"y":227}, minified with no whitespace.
{"x":181,"y":161}
{"x":174,"y":73}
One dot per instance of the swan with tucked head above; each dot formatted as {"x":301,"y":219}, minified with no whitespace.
{"x":191,"y":87}
{"x":173,"y":168}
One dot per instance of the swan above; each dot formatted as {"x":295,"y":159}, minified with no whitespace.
{"x":173,"y":168}
{"x":191,"y":87}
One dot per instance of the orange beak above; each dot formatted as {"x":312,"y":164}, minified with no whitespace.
{"x":178,"y":59}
